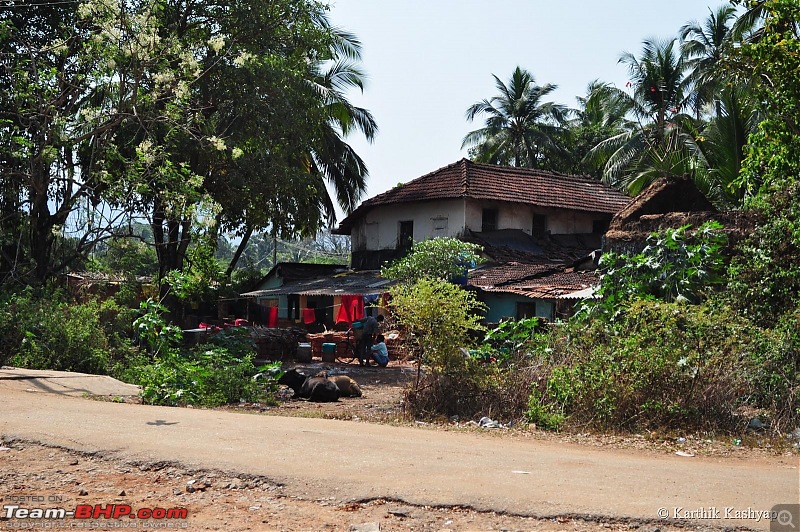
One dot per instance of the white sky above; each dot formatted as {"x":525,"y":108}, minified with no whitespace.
{"x":427,"y":61}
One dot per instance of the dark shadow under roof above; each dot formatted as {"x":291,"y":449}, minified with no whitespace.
{"x":347,"y":283}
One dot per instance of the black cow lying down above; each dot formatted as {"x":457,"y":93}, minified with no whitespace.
{"x":315,"y":388}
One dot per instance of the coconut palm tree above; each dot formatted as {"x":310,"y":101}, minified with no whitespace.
{"x":721,"y":144}
{"x":703,"y":47}
{"x":520,"y":127}
{"x":657,"y":142}
{"x":600,"y":114}
{"x":333,"y":159}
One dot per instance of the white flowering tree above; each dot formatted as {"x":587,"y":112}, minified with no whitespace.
{"x":176,"y":110}
{"x":71,"y":75}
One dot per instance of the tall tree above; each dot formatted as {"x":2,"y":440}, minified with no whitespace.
{"x":771,"y":60}
{"x":185,"y":110}
{"x":721,"y":145}
{"x":520,"y":126}
{"x":703,"y":47}
{"x":660,"y":142}
{"x":332,"y":158}
{"x":600,"y":114}
{"x":71,"y":75}
{"x":257,"y":117}
{"x":329,"y":159}
{"x":728,"y":105}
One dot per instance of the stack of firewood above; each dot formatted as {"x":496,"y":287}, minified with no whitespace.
{"x":276,"y":344}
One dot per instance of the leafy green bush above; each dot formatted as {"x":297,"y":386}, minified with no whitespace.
{"x":49,"y":332}
{"x":543,"y":414}
{"x":509,"y":337}
{"x":764,"y":278}
{"x":207,"y":375}
{"x":661,"y":364}
{"x":212,"y":374}
{"x":438,"y":258}
{"x":676,"y":265}
{"x":775,"y":377}
{"x":441,"y":317}
{"x":153,"y":331}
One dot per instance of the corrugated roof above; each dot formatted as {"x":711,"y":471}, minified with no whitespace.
{"x":350,"y":283}
{"x":537,"y":281}
{"x":467,"y":179}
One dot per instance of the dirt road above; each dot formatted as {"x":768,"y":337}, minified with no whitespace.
{"x":348,"y":461}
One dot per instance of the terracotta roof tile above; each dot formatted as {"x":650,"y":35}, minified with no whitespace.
{"x":501,"y":183}
{"x":532,"y":280}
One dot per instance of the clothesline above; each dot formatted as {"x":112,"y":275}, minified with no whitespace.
{"x":317,"y":308}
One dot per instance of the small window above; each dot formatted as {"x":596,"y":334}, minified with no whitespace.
{"x":489,"y":222}
{"x":539,"y":227}
{"x":526,"y":310}
{"x":405,"y":237}
{"x":439,"y":226}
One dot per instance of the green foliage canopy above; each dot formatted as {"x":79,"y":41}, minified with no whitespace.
{"x":437,"y":258}
{"x":442,"y":318}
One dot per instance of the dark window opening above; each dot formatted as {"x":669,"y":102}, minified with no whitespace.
{"x":539,"y":227}
{"x":489,"y":222}
{"x":405,"y":239}
{"x":526,"y":310}
{"x":294,"y":307}
{"x":599,"y":227}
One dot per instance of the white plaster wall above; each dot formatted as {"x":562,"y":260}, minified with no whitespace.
{"x":518,"y":216}
{"x":379,"y":229}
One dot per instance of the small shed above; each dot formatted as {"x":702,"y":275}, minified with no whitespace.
{"x":669,"y":203}
{"x":318,"y":301}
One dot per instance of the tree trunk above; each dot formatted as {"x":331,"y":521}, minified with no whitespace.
{"x":171,"y":246}
{"x":41,"y":222}
{"x":239,"y":251}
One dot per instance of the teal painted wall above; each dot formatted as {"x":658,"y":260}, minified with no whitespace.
{"x":505,"y":306}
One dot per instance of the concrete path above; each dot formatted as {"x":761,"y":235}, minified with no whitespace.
{"x":343,"y":459}
{"x":64,"y":383}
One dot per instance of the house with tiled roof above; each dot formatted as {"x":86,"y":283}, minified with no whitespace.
{"x":468,"y":197}
{"x":548,"y":220}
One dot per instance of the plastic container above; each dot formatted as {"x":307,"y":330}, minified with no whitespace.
{"x":303,"y":352}
{"x":328,"y":352}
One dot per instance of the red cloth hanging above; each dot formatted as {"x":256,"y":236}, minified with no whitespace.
{"x":357,"y":308}
{"x":272,"y":317}
{"x":309,"y":315}
{"x":343,"y":316}
{"x":351,"y":309}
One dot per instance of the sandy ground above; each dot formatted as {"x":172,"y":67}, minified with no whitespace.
{"x":36,"y":475}
{"x":67,"y":479}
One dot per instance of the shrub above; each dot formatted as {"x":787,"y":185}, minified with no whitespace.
{"x":764,"y":278}
{"x":438,"y":258}
{"x":508,"y":338}
{"x":207,"y":375}
{"x":51,"y":333}
{"x":662,"y":364}
{"x":441,"y":317}
{"x":676,"y":265}
{"x":543,"y":414}
{"x":212,"y":374}
{"x":497,"y":391}
{"x":775,"y":377}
